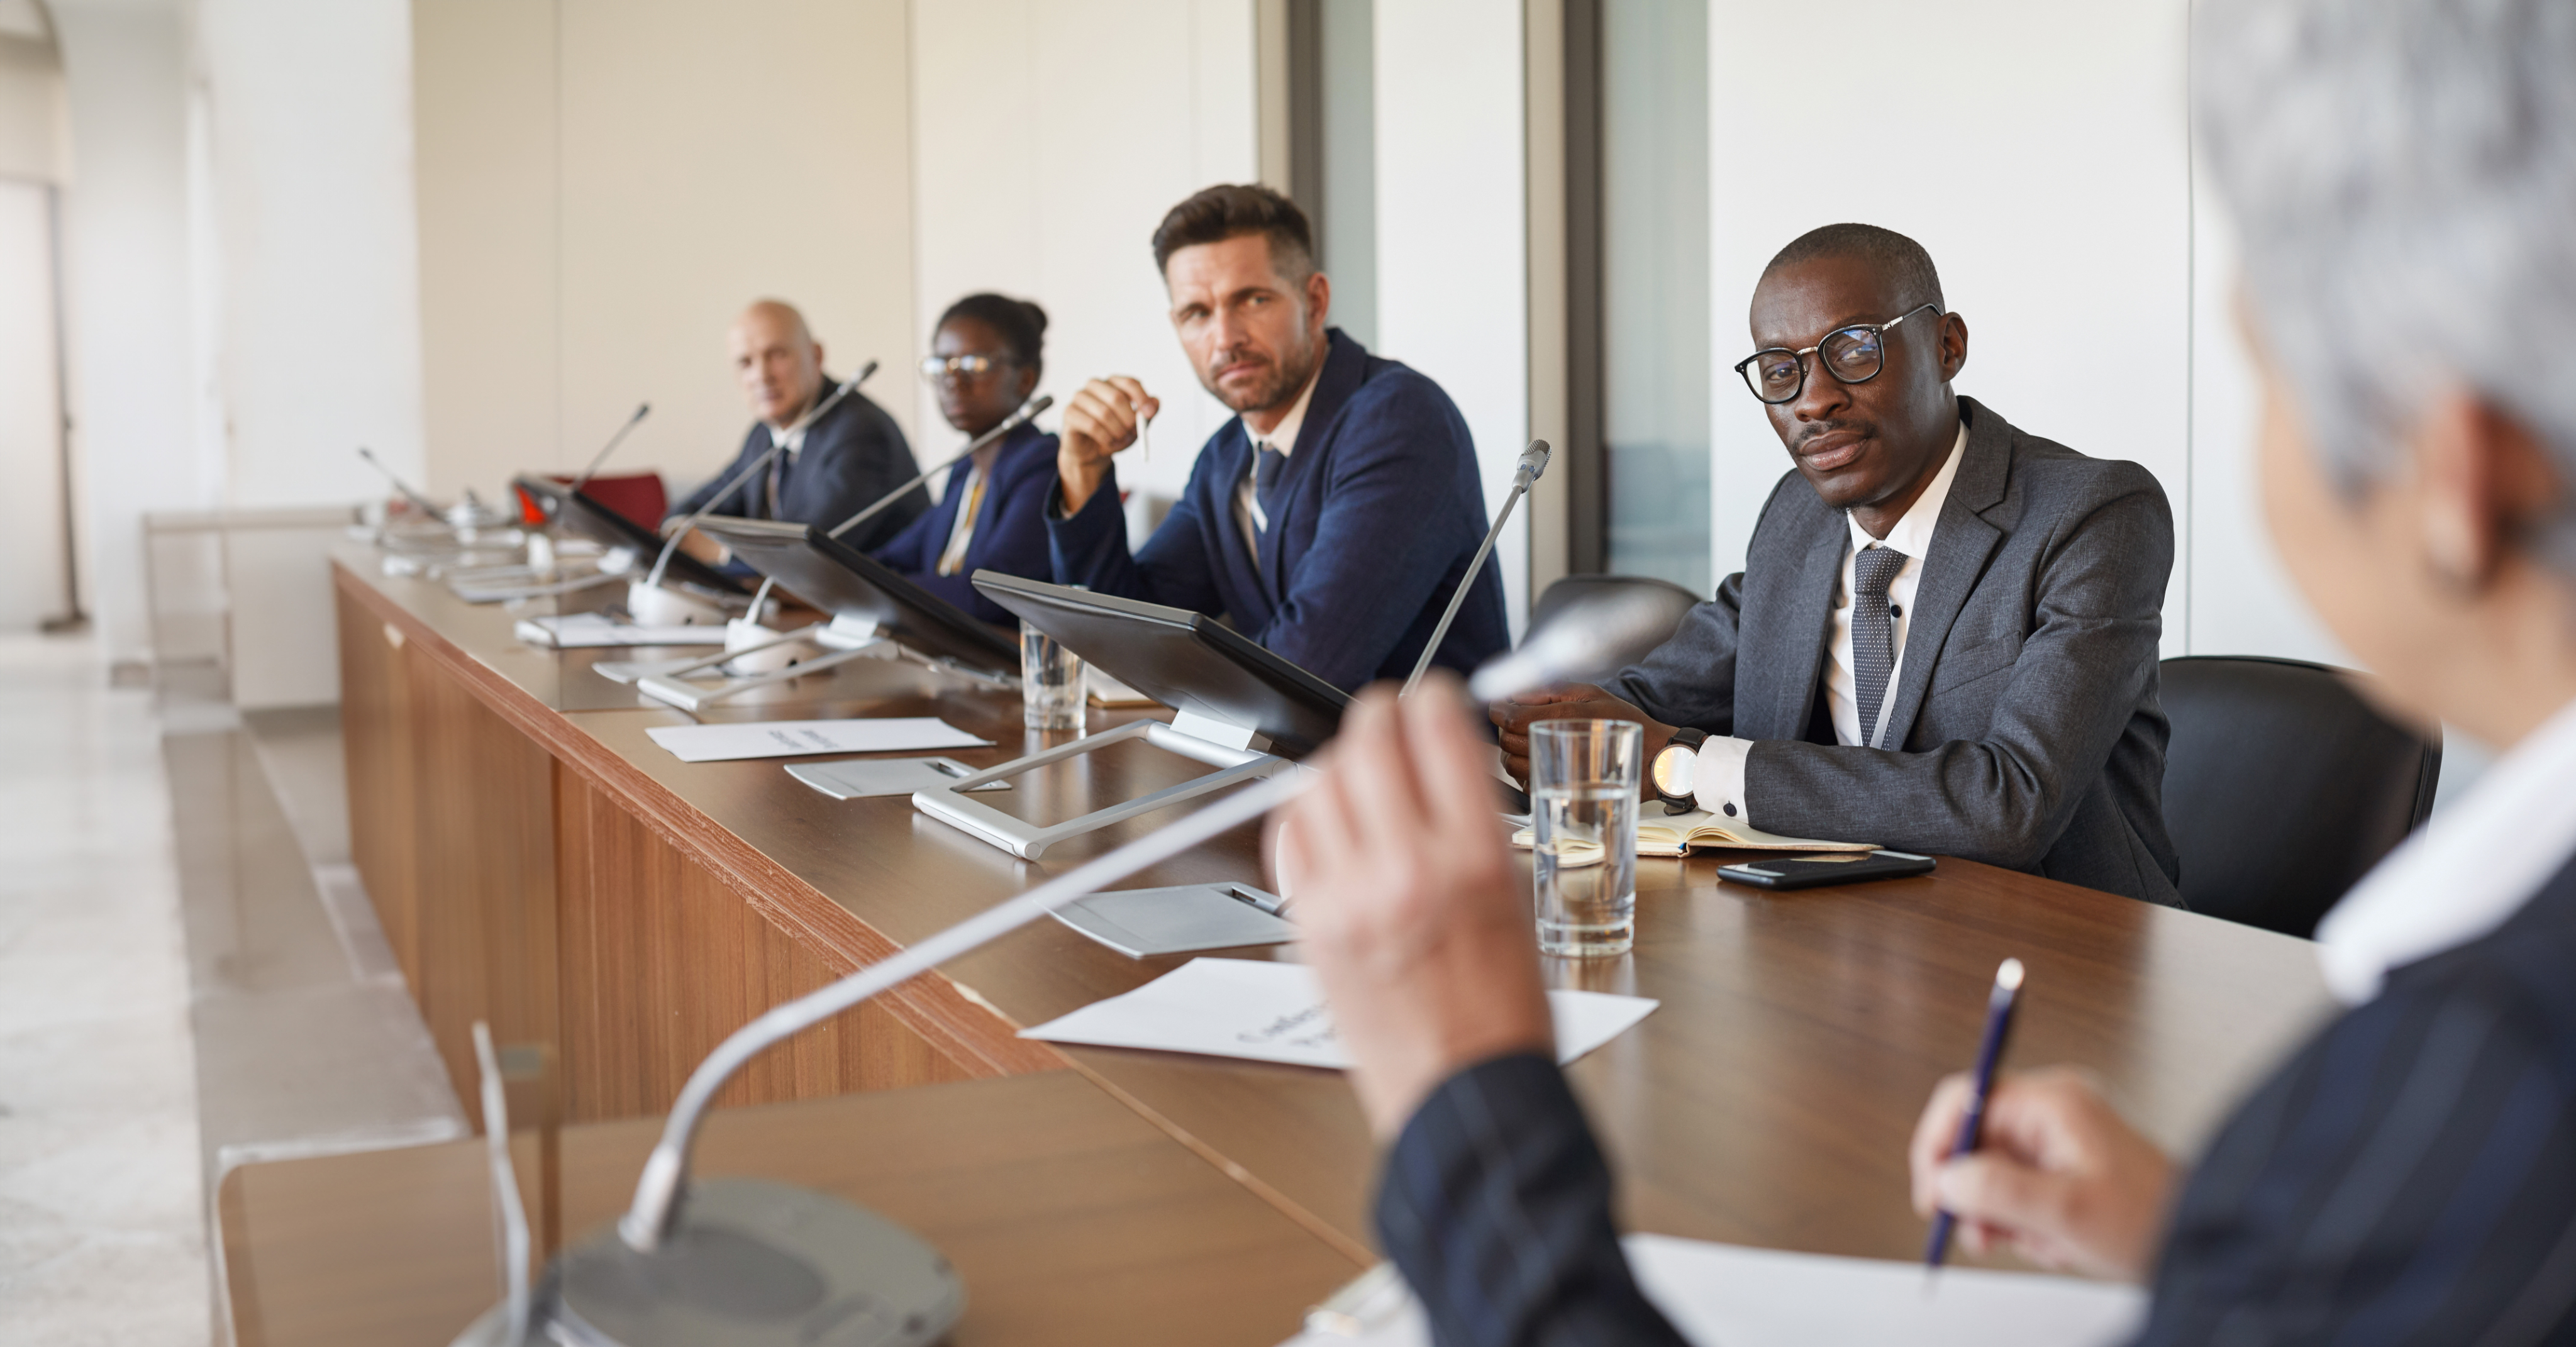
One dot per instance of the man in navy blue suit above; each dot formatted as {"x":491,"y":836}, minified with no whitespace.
{"x":1332,"y":519}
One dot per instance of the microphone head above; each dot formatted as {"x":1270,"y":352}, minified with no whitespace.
{"x":1534,"y":459}
{"x":1594,"y":636}
{"x":862,"y":376}
{"x":642,"y":410}
{"x":1036,"y":405}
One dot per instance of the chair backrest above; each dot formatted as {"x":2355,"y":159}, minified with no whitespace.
{"x":637,"y":495}
{"x":2283,"y":787}
{"x":1572,"y":588}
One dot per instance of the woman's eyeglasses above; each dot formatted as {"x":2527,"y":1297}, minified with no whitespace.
{"x":935,"y":368}
{"x":1854,"y":355}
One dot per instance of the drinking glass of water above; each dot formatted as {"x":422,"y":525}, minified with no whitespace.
{"x":1051,"y":683}
{"x":1583,"y":812}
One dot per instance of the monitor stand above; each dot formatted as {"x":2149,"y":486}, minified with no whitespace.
{"x":1238,"y":752}
{"x":845,"y":639}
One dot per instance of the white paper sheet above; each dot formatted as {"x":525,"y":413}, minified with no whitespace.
{"x":598,"y":631}
{"x":1274,"y":1012}
{"x":1724,"y":1293}
{"x":795,"y":738}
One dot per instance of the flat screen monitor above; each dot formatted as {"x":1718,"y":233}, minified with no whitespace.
{"x":577,"y":512}
{"x":845,"y":582}
{"x":1185,"y":660}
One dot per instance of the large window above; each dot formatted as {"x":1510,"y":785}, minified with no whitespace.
{"x":1332,"y":159}
{"x":1637,"y":95}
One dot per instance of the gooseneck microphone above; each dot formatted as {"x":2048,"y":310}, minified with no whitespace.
{"x":400,"y":485}
{"x":642,"y":410}
{"x":1008,"y":424}
{"x":1533,"y":463}
{"x":778,"y":443}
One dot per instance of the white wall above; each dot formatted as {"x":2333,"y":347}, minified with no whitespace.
{"x":127,"y":286}
{"x":1453,"y":297}
{"x":1050,"y":136}
{"x":2038,"y":150}
{"x":307,"y":143}
{"x":31,"y":515}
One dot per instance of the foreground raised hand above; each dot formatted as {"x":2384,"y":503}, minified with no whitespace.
{"x":1407,"y":902}
{"x":2060,"y":1179}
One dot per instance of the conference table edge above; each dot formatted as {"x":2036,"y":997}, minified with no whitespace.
{"x":953,"y":1021}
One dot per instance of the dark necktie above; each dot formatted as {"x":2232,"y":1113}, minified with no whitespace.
{"x":1267,"y":466}
{"x":1873,"y":633}
{"x":778,"y":482}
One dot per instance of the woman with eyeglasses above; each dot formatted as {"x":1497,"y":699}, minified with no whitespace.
{"x":985,"y":361}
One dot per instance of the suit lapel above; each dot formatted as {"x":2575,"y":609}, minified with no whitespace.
{"x":1806,"y":620}
{"x":1344,"y":362}
{"x":1961,"y":544}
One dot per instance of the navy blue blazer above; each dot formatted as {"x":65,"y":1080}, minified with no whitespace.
{"x":2408,"y":1177}
{"x":1382,"y":513}
{"x":853,"y":455}
{"x":1010,"y":534}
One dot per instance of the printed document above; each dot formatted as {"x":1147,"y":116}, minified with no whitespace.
{"x":1728,"y":1294}
{"x":598,"y":631}
{"x":1274,"y":1012}
{"x":796,"y":738}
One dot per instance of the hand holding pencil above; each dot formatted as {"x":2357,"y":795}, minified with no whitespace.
{"x":2058,"y":1177}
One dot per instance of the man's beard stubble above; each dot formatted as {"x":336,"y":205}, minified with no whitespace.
{"x":1274,"y":392}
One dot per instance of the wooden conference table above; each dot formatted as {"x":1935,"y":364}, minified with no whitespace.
{"x":539,"y":863}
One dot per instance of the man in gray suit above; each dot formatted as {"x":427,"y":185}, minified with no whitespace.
{"x":1945,"y":635}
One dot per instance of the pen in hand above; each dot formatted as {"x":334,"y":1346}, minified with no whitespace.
{"x":1999,"y":1013}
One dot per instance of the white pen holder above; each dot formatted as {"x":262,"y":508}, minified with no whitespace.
{"x":541,"y":555}
{"x":658,"y":606}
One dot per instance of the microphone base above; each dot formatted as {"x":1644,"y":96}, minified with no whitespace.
{"x":755,"y":1263}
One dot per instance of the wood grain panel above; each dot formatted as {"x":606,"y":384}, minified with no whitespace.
{"x":660,"y":961}
{"x":375,"y":736}
{"x":1071,"y":1219}
{"x":484,"y":861}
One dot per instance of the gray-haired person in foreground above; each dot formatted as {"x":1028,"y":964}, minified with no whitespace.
{"x":2403,"y":173}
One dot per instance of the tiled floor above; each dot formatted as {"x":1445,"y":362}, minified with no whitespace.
{"x":101,"y":1197}
{"x":190,"y":978}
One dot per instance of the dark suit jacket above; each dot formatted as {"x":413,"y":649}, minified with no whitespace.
{"x":2025,"y":722}
{"x":2408,"y":1177}
{"x":1010,"y":535}
{"x":1383,"y":512}
{"x":853,"y":455}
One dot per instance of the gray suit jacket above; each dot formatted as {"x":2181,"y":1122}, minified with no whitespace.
{"x":2026,"y":723}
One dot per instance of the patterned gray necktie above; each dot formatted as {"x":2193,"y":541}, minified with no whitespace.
{"x":1873,"y":633}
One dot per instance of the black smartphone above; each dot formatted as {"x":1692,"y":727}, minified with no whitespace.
{"x":1831,"y":867}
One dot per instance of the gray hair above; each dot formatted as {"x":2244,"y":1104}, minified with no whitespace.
{"x":2402,"y":175}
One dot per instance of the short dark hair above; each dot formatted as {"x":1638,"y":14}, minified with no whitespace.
{"x":1900,"y":259}
{"x":1231,"y":210}
{"x":1020,"y":323}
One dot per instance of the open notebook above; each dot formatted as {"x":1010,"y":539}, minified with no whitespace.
{"x":1662,"y":834}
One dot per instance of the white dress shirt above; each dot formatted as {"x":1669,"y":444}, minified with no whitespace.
{"x":1248,"y":517}
{"x":795,"y":442}
{"x":2466,"y":873}
{"x":1719,"y":780}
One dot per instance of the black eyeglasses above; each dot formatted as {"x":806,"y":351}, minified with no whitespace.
{"x":1854,"y":354}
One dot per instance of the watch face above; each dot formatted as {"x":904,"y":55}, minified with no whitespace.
{"x":1673,"y":770}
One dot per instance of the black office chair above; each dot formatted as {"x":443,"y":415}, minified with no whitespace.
{"x":2282,"y":786}
{"x":1571,"y":588}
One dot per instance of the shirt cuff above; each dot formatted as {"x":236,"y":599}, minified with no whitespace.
{"x":1720,"y":778}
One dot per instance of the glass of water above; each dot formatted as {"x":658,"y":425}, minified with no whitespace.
{"x":1583,"y":812}
{"x":1051,"y":684}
